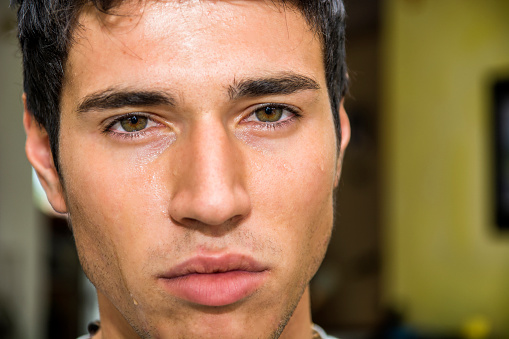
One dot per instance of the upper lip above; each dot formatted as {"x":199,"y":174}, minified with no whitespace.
{"x":203,"y":264}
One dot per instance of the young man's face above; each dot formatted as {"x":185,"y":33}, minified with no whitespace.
{"x":199,"y":158}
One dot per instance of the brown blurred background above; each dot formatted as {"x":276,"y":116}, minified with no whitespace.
{"x":416,"y":251}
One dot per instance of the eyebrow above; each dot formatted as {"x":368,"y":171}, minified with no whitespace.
{"x":117,"y":98}
{"x":112,"y":98}
{"x":284,"y":84}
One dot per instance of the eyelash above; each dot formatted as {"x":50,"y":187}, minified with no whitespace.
{"x":260,"y":124}
{"x":126,"y":135}
{"x":277,"y":124}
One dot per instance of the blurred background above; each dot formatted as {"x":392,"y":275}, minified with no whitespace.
{"x":420,"y":248}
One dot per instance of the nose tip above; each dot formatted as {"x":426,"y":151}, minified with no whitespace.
{"x":209,"y":189}
{"x":220,"y":207}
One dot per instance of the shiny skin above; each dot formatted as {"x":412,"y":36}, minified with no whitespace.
{"x":204,"y":178}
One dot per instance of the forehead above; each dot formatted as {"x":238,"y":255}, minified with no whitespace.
{"x":154,"y":41}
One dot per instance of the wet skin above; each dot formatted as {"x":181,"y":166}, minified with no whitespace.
{"x":198,"y":162}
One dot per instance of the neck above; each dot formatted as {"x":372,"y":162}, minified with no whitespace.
{"x":299,"y":326}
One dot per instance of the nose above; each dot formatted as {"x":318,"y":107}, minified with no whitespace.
{"x":209,"y":184}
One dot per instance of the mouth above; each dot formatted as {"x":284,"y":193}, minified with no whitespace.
{"x":215,"y":280}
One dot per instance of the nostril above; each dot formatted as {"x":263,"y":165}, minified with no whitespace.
{"x":210,"y":229}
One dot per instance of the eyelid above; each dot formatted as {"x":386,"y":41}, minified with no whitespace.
{"x":111,"y":122}
{"x":291,"y":109}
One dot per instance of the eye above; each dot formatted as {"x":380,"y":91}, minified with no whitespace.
{"x":131,"y":123}
{"x":134,"y":123}
{"x":271,"y":113}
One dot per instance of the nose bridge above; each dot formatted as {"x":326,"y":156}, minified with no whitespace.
{"x":210,"y":187}
{"x":212,"y":167}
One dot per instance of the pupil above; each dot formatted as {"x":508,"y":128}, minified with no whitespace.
{"x":268,"y":111}
{"x":134,"y":120}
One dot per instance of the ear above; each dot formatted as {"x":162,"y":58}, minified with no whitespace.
{"x":345,"y":139}
{"x":39,"y":154}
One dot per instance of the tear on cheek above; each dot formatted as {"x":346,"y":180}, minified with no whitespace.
{"x":152,"y":151}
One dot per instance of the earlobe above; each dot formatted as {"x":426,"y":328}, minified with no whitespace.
{"x":39,"y":154}
{"x":345,"y":139}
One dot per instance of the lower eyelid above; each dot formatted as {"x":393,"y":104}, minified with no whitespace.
{"x":269,"y":126}
{"x":147,"y":132}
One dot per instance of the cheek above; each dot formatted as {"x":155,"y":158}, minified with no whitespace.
{"x":110,"y":196}
{"x":296,"y":177}
{"x":293,"y":190}
{"x":113,"y":184}
{"x":116,"y":205}
{"x":111,"y":214}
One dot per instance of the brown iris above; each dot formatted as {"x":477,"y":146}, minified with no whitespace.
{"x":269,"y":114}
{"x":134,"y":123}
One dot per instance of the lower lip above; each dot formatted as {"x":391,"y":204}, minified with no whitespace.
{"x":215,"y":289}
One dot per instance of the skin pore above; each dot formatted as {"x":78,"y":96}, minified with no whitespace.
{"x":196,"y":135}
